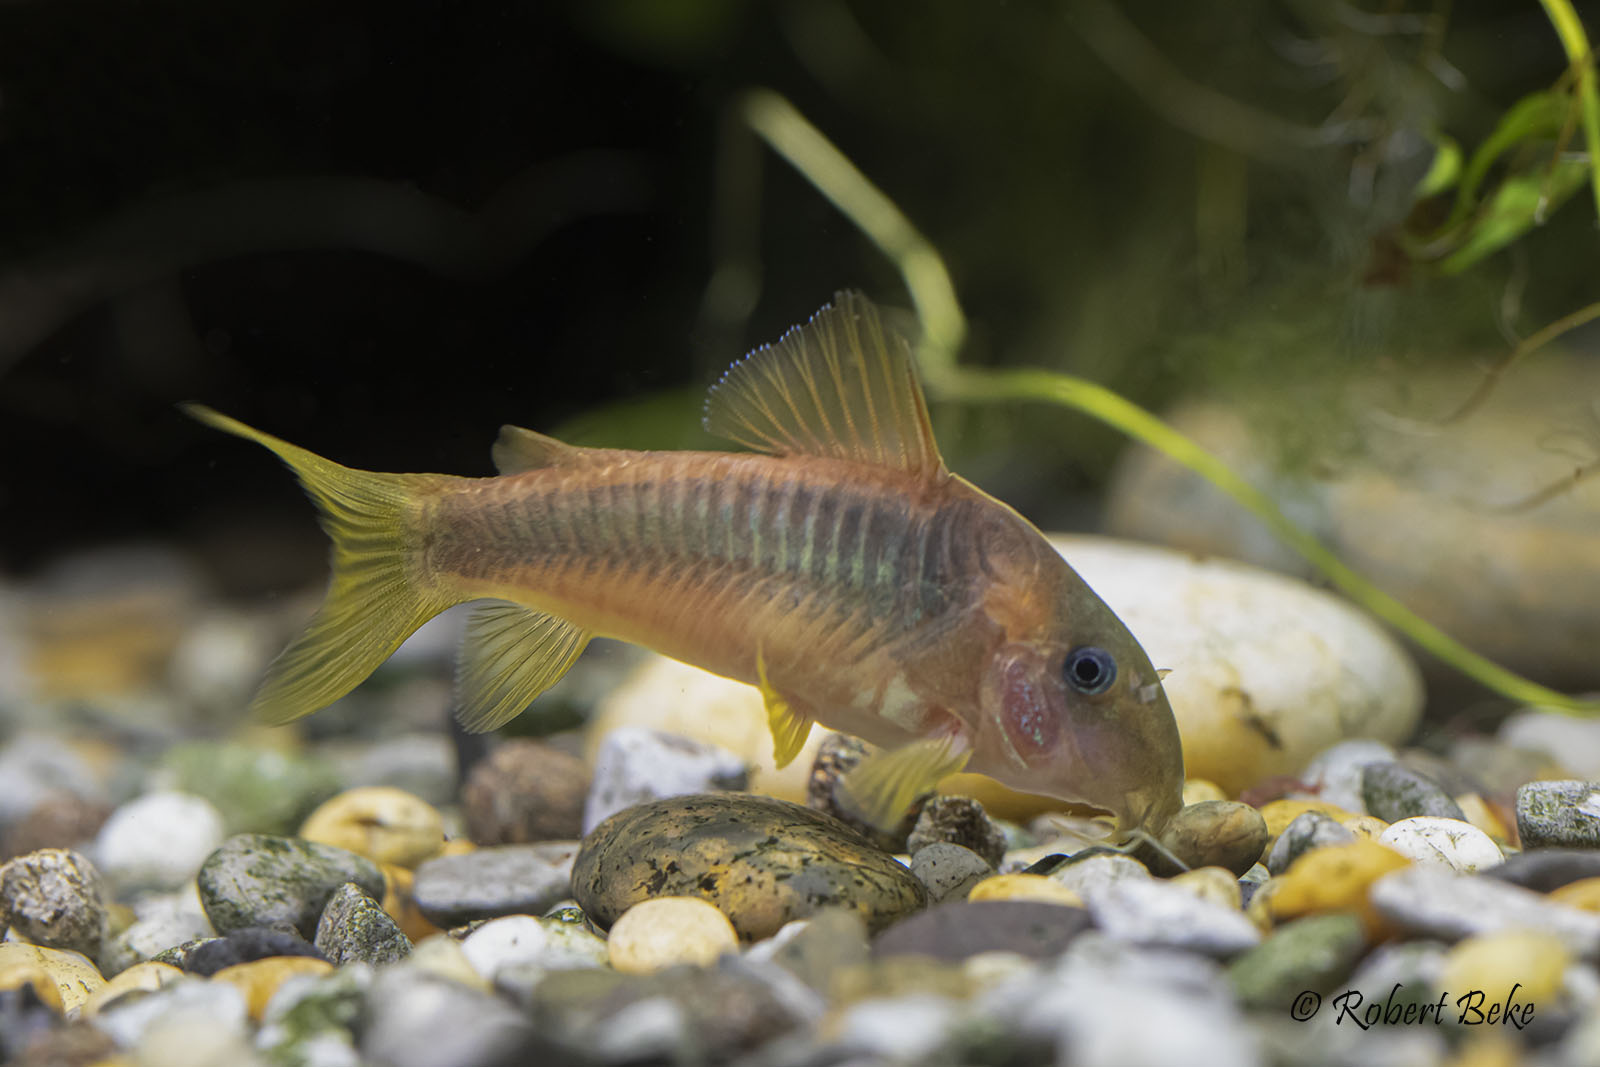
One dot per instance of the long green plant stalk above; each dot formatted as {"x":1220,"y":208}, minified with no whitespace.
{"x":1579,"y":53}
{"x":794,"y":138}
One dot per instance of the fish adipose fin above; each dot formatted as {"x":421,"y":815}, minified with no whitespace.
{"x":790,"y":726}
{"x":376,"y":597}
{"x":509,"y":655}
{"x":517,"y":450}
{"x":887,"y":783}
{"x":841,"y":386}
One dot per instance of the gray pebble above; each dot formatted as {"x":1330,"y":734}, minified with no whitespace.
{"x":422,"y":764}
{"x":1312,"y":953}
{"x":1334,"y":774}
{"x":35,"y":767}
{"x":525,"y":791}
{"x":1545,"y":869}
{"x":1440,"y":904}
{"x":415,"y":1019}
{"x":960,"y":821}
{"x":1563,"y":814}
{"x":1151,"y":912}
{"x":259,"y":880}
{"x":831,"y":940}
{"x":948,"y":871}
{"x":635,"y":765}
{"x":958,"y":930}
{"x":244,"y":946}
{"x":161,"y":921}
{"x":1415,"y":966}
{"x":1308,"y":830}
{"x":54,"y":897}
{"x":355,"y":929}
{"x":128,"y":1019}
{"x":1393,"y":792}
{"x":1087,"y":872}
{"x":506,"y":880}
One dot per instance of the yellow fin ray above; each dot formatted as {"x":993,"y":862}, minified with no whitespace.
{"x":887,"y":783}
{"x":790,"y":726}
{"x":509,"y":655}
{"x":840,"y":386}
{"x":375,"y":599}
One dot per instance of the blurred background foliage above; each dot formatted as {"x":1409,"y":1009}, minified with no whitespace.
{"x":381,"y":231}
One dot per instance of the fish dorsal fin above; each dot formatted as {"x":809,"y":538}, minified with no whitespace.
{"x":509,"y":655}
{"x":517,"y":450}
{"x":840,"y":386}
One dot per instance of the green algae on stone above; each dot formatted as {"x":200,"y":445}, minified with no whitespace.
{"x":256,"y":790}
{"x":1313,"y":953}
{"x":259,"y":880}
{"x":762,"y":861}
{"x":1560,"y":814}
{"x":354,"y":928}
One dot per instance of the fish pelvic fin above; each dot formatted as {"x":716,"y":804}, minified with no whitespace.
{"x":377,"y":595}
{"x":509,"y":655}
{"x":790,"y":726}
{"x":841,"y":386}
{"x":887,"y":783}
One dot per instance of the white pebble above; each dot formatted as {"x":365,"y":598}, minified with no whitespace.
{"x":497,"y":944}
{"x":157,"y":841}
{"x":635,"y":765}
{"x":1449,"y":844}
{"x":659,"y":933}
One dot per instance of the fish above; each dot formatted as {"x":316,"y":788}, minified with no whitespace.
{"x":838,"y":565}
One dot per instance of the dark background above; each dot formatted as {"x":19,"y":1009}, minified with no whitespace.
{"x":380,"y":231}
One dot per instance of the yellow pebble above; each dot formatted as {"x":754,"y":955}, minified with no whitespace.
{"x":19,"y":974}
{"x":457,"y":846}
{"x":1280,"y":813}
{"x":1259,"y":910}
{"x":1487,"y":1050}
{"x":1024,"y":887}
{"x":1368,"y":826}
{"x":401,"y":905}
{"x":1532,"y":960}
{"x":379,"y":822}
{"x":1584,"y":893}
{"x":75,"y":978}
{"x":664,"y":931}
{"x":1216,"y":884}
{"x":1482,"y":816}
{"x":1198,"y":790}
{"x":1335,"y":878}
{"x":259,"y":979}
{"x":147,"y":977}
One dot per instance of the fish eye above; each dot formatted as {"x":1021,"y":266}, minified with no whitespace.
{"x":1089,"y":670}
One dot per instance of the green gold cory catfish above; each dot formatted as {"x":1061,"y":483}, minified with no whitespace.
{"x":840,"y":567}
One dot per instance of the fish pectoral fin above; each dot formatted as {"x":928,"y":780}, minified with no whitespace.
{"x":840,"y":386}
{"x":509,"y":655}
{"x":790,"y":726}
{"x":887,"y":783}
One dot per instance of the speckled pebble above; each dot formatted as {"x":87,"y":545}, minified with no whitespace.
{"x":54,"y":897}
{"x":526,"y":791}
{"x":760,"y":860}
{"x":312,"y":1021}
{"x":1494,"y":963}
{"x":1308,"y":830}
{"x":948,"y":871}
{"x":960,"y":821}
{"x":1440,"y":904}
{"x":354,"y":928}
{"x":635,"y":765}
{"x":1313,"y":953}
{"x":1562,"y":814}
{"x":75,"y":977}
{"x":1430,"y":841}
{"x":837,"y":756}
{"x":259,"y":979}
{"x":491,"y":882}
{"x":1034,"y":887}
{"x":1086,"y":873}
{"x":258,"y":879}
{"x":1393,"y":791}
{"x":157,"y":841}
{"x":665,"y":931}
{"x":1157,"y":913}
{"x":384,"y":824}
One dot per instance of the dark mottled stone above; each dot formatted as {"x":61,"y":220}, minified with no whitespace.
{"x":262,"y":880}
{"x":355,"y":929}
{"x":762,"y":861}
{"x":837,"y":756}
{"x":1560,"y":814}
{"x":955,"y":931}
{"x":525,"y":791}
{"x":1393,"y":791}
{"x":54,"y":897}
{"x":211,"y":955}
{"x":958,"y":821}
{"x":1547,"y":869}
{"x":1308,"y":830}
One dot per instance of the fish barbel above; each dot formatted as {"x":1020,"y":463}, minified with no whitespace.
{"x":840,"y":567}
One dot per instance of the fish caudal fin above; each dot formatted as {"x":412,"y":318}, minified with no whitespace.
{"x":377,"y":596}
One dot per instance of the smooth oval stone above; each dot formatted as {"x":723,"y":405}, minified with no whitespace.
{"x":384,"y":824}
{"x":1308,"y":830}
{"x":666,"y":931}
{"x":1312,"y":953}
{"x":948,"y":871}
{"x":1212,"y":833}
{"x":1448,"y":843}
{"x":490,"y":882}
{"x":1547,"y":868}
{"x":1393,"y":791}
{"x":761,"y":861}
{"x":1559,"y":814}
{"x":259,"y":879}
{"x":953,"y":932}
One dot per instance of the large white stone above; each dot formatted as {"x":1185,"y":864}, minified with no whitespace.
{"x":1267,"y":671}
